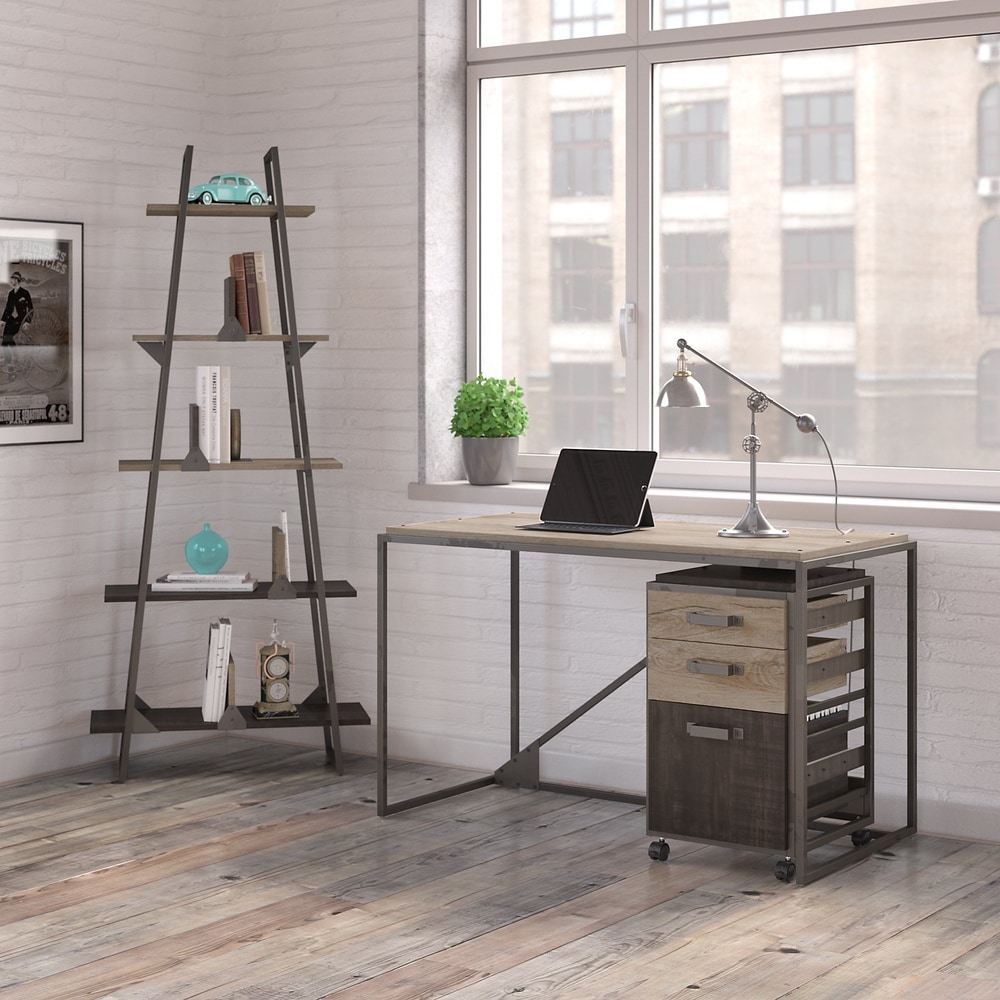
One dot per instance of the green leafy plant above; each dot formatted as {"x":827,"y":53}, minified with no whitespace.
{"x":489,"y":407}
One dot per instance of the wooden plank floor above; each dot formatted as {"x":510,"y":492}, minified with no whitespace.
{"x":249,"y":871}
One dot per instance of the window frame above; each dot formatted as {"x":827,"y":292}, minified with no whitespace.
{"x":636,"y":50}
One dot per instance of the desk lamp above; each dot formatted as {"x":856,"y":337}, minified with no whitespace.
{"x":683,"y":389}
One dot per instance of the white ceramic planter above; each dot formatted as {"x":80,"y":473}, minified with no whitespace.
{"x":490,"y":461}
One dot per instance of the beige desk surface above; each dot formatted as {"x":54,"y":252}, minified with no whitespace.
{"x":678,"y":538}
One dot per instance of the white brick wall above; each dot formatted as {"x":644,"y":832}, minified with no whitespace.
{"x":105,"y":99}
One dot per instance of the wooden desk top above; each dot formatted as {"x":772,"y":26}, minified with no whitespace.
{"x":668,"y":539}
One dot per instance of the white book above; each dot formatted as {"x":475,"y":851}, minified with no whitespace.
{"x":202,"y":396}
{"x":222,"y":667}
{"x":208,"y":699}
{"x":204,"y":577}
{"x":225,"y":407}
{"x":163,"y":586}
{"x":265,"y":309}
{"x":214,"y":421}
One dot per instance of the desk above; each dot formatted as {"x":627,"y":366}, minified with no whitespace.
{"x":668,"y":542}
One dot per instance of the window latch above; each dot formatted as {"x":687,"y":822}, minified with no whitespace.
{"x":626,"y":323}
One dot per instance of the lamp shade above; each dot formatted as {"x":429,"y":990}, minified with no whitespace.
{"x":682,"y":389}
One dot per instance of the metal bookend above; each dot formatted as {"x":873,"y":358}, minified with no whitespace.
{"x":231,"y":329}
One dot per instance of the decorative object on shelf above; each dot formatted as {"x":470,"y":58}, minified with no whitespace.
{"x":41,"y":358}
{"x":228,"y":189}
{"x":275,"y":664}
{"x":683,"y":389}
{"x":206,"y":551}
{"x":235,"y":435}
{"x":489,"y":416}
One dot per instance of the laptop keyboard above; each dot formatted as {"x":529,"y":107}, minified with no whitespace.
{"x":588,"y":529}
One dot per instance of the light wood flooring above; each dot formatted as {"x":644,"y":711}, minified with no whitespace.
{"x":239,"y":869}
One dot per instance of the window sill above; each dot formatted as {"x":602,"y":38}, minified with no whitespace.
{"x":722,"y":505}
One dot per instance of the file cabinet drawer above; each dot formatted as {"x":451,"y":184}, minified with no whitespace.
{"x":724,"y":618}
{"x":748,"y":677}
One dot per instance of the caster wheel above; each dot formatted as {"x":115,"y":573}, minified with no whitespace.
{"x":784,"y":871}
{"x":659,"y":850}
{"x":861,"y":837}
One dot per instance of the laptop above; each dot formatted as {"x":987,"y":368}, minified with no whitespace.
{"x":598,"y":491}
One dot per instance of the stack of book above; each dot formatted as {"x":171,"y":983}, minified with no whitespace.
{"x":213,"y":702}
{"x":250,"y":285}
{"x":195,"y":582}
{"x":213,"y":394}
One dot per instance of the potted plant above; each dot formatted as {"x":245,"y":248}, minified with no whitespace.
{"x":489,"y":417}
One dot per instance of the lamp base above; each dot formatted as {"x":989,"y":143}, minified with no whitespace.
{"x":753,"y":524}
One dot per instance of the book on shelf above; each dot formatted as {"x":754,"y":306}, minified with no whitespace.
{"x":217,"y":672}
{"x":213,"y":394}
{"x":200,"y":582}
{"x":260,"y":271}
{"x":253,"y":303}
{"x":237,"y":271}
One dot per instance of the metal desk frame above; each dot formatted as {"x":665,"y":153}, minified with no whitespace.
{"x":668,"y":542}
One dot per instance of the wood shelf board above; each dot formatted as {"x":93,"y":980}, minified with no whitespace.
{"x":117,"y":593}
{"x":231,"y":211}
{"x":159,"y":338}
{"x":243,"y":465}
{"x":186,"y":719}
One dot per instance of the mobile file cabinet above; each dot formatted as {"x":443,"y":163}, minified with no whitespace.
{"x":726,"y":727}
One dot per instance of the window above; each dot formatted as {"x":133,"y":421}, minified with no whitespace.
{"x":795,"y":8}
{"x":988,"y":266}
{"x":581,"y":153}
{"x":689,"y":13}
{"x":819,"y":139}
{"x":582,"y":18}
{"x":989,"y":131}
{"x":797,"y":202}
{"x":819,"y":275}
{"x":581,"y":280}
{"x":827,"y":392}
{"x":695,"y":277}
{"x":696,"y":146}
{"x":988,"y":400}
{"x":581,"y":398}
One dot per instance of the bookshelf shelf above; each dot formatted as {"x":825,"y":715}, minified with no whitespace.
{"x":242,"y":465}
{"x":321,"y":707}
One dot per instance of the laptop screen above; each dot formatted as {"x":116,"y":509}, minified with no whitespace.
{"x":599,"y":486}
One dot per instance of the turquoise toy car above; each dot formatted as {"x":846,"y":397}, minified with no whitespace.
{"x":228,"y":189}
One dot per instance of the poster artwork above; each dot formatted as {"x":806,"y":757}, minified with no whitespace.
{"x":40,"y":384}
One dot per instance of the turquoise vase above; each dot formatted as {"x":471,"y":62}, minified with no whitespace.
{"x":207,"y":551}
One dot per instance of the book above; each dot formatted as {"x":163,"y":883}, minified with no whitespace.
{"x":237,"y":272}
{"x":193,"y":577}
{"x":260,"y":271}
{"x":225,"y":412}
{"x":209,"y":697}
{"x":203,"y":397}
{"x":253,"y":303}
{"x":164,"y":585}
{"x":221,"y":689}
{"x":214,"y":453}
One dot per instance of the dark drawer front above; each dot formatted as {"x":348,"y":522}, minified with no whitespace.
{"x":700,"y":785}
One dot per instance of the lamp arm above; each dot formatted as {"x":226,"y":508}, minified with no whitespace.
{"x":805,"y":422}
{"x":685,"y":346}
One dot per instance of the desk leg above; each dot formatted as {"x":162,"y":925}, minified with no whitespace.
{"x":382,"y":745}
{"x":911,"y":688}
{"x":515,"y":652}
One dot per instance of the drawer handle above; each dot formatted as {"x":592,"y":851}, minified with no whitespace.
{"x":714,"y":732}
{"x":715,"y":669}
{"x":714,"y":621}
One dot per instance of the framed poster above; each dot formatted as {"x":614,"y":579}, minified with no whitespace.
{"x":41,"y":329}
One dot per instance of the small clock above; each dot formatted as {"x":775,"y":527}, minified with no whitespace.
{"x":275,"y":663}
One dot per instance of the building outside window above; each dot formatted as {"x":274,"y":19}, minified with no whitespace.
{"x":988,"y":267}
{"x":582,"y":18}
{"x":696,"y":146}
{"x":695,"y":277}
{"x":819,"y":139}
{"x":581,"y":279}
{"x":988,"y":400}
{"x":691,"y":13}
{"x":989,"y":131}
{"x":819,"y":275}
{"x":827,"y":392}
{"x":581,"y":153}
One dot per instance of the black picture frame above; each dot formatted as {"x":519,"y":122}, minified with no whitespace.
{"x":41,"y":357}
